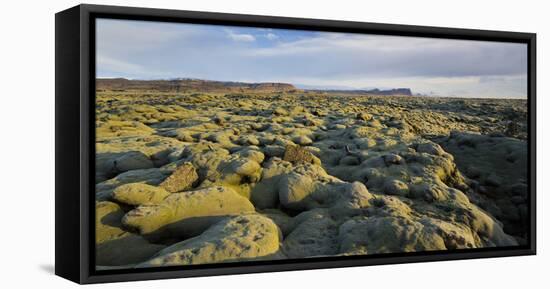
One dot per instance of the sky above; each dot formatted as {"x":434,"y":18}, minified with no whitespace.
{"x":310,"y":59}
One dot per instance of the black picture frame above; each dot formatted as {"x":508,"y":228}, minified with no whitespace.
{"x":75,"y":135}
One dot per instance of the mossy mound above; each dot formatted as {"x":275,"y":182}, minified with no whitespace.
{"x":239,"y":238}
{"x":136,"y":194}
{"x":186,"y":213}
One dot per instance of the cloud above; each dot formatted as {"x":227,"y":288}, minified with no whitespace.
{"x":399,"y":56}
{"x":120,"y":35}
{"x":115,"y":65}
{"x":271,"y":36}
{"x":140,"y":49}
{"x":240,"y":37}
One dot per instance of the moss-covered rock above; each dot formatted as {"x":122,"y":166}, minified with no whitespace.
{"x":309,"y":186}
{"x":139,"y":194}
{"x":233,"y":239}
{"x":266,"y":193}
{"x":152,"y":176}
{"x":387,"y":235}
{"x":108,"y":222}
{"x":181,"y":179}
{"x":121,"y":129}
{"x":297,"y":155}
{"x":187,"y":213}
{"x":314,"y":234}
{"x":132,"y":161}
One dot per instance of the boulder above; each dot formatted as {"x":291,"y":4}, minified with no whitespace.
{"x":249,"y":140}
{"x":274,"y":151}
{"x":281,"y":219}
{"x":139,"y":194}
{"x":393,"y":159}
{"x":308,"y":186}
{"x":302,"y":140}
{"x":297,"y":154}
{"x":187,"y":213}
{"x":490,"y":230}
{"x":133,"y":160}
{"x":364,"y":116}
{"x":129,"y":249}
{"x":315,"y":234}
{"x":239,"y":238}
{"x":387,"y":235}
{"x":239,"y":172}
{"x":352,"y":196}
{"x":265,"y":193}
{"x":113,"y":128}
{"x":396,"y":187}
{"x":152,"y":176}
{"x":280,"y":111}
{"x":305,"y":187}
{"x":107,"y":222}
{"x":181,"y":179}
{"x":349,"y":161}
{"x":430,"y":148}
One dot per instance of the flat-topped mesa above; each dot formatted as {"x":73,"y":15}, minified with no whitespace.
{"x":394,"y":91}
{"x":276,"y":86}
{"x":191,"y":85}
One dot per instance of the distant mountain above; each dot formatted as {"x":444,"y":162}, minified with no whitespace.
{"x":188,"y":84}
{"x":196,"y":85}
{"x":376,"y":91}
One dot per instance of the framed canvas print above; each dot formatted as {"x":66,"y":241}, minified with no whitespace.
{"x":193,"y":144}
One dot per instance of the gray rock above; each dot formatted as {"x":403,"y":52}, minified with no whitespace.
{"x":396,"y":187}
{"x":393,"y":159}
{"x":132,"y":161}
{"x":387,"y":235}
{"x":316,"y":235}
{"x":302,"y":140}
{"x":349,"y":161}
{"x":430,"y":148}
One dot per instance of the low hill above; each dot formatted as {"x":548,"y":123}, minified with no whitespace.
{"x":200,"y":85}
{"x":183,"y":85}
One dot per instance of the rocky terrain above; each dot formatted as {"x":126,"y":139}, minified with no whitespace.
{"x":204,"y":177}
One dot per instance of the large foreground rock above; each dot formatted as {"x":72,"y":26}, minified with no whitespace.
{"x":187,"y":213}
{"x":234,"y":239}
